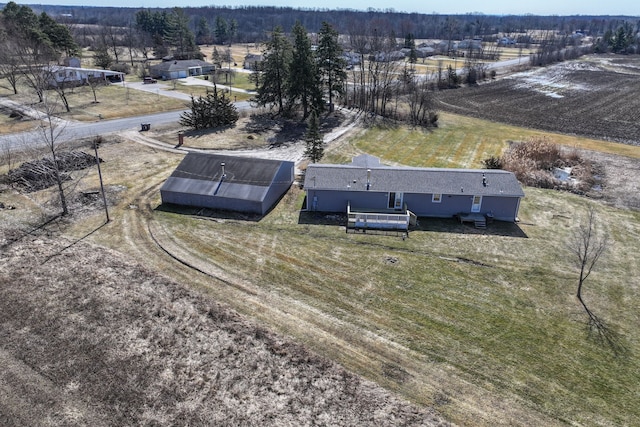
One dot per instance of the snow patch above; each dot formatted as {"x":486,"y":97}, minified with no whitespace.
{"x":552,"y":81}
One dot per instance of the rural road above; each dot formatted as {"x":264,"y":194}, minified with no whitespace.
{"x":75,"y":130}
{"x":70,"y":130}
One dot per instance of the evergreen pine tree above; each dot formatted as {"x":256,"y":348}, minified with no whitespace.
{"x":212,"y":111}
{"x":331,"y":62}
{"x":274,"y":71}
{"x":304,"y":82}
{"x":314,"y":143}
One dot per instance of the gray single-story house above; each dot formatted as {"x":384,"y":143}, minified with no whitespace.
{"x":366,"y":185}
{"x":230,"y":183}
{"x":57,"y":75}
{"x":179,"y":69}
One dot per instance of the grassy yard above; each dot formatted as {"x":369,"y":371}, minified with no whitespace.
{"x":483,"y":326}
{"x":460,"y":142}
{"x":492,"y":316}
{"x":201,"y":90}
{"x":113,"y":101}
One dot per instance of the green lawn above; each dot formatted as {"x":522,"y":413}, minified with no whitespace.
{"x":460,"y":142}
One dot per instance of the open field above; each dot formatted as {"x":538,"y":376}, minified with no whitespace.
{"x":595,"y":97}
{"x":481,"y":326}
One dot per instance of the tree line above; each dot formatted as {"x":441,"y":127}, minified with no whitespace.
{"x":254,"y":21}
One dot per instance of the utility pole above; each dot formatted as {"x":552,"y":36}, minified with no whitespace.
{"x":96,"y":141}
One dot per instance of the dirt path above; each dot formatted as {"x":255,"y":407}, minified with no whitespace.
{"x":292,"y":151}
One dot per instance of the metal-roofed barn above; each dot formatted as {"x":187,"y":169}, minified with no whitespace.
{"x":230,"y":183}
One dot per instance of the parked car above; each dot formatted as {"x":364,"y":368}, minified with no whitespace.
{"x":149,"y":80}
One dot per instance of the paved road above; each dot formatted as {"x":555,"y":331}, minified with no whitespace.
{"x":75,"y":130}
{"x":69,"y":131}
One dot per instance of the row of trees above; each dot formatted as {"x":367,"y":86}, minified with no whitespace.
{"x":223,"y":32}
{"x":624,"y":39}
{"x":293,"y":76}
{"x":255,"y":21}
{"x":169,"y":32}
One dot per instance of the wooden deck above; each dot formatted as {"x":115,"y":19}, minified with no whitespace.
{"x":379,"y":221}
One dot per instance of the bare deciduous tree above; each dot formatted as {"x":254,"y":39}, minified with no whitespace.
{"x":587,"y":245}
{"x":50,"y":131}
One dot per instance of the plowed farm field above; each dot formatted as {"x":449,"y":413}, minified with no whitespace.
{"x":595,"y":96}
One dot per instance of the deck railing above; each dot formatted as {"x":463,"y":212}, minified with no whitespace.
{"x":378,"y":220}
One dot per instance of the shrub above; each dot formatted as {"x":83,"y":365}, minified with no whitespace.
{"x":533,"y":162}
{"x":493,"y":162}
{"x":121,"y":67}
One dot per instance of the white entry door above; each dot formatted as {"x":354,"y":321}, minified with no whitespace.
{"x":477,"y":202}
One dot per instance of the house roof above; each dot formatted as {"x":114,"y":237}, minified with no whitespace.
{"x":244,"y":178}
{"x":179,"y":65}
{"x":56,"y":68}
{"x":365,"y":168}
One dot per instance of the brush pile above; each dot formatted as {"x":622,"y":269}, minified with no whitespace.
{"x":40,"y":174}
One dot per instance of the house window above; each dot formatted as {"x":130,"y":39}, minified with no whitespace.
{"x":436,"y":198}
{"x":476,"y":203}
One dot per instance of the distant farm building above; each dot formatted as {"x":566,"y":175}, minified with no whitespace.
{"x":230,"y":183}
{"x":252,"y":61}
{"x":179,"y":69}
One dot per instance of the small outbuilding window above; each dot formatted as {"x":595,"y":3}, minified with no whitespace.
{"x":436,"y":198}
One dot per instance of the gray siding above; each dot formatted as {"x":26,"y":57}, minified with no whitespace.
{"x":212,"y":202}
{"x":367,"y":186}
{"x":502,"y":208}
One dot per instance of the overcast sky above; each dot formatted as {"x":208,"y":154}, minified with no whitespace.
{"x":491,"y":7}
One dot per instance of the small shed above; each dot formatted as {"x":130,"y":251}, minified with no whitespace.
{"x":252,"y":61}
{"x":240,"y":184}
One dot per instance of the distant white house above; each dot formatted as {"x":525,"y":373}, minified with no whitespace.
{"x":56,"y":75}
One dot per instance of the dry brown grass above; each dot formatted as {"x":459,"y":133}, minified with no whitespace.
{"x":90,"y":338}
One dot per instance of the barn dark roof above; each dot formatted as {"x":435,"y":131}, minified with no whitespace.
{"x":243,"y":178}
{"x":365,"y":168}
